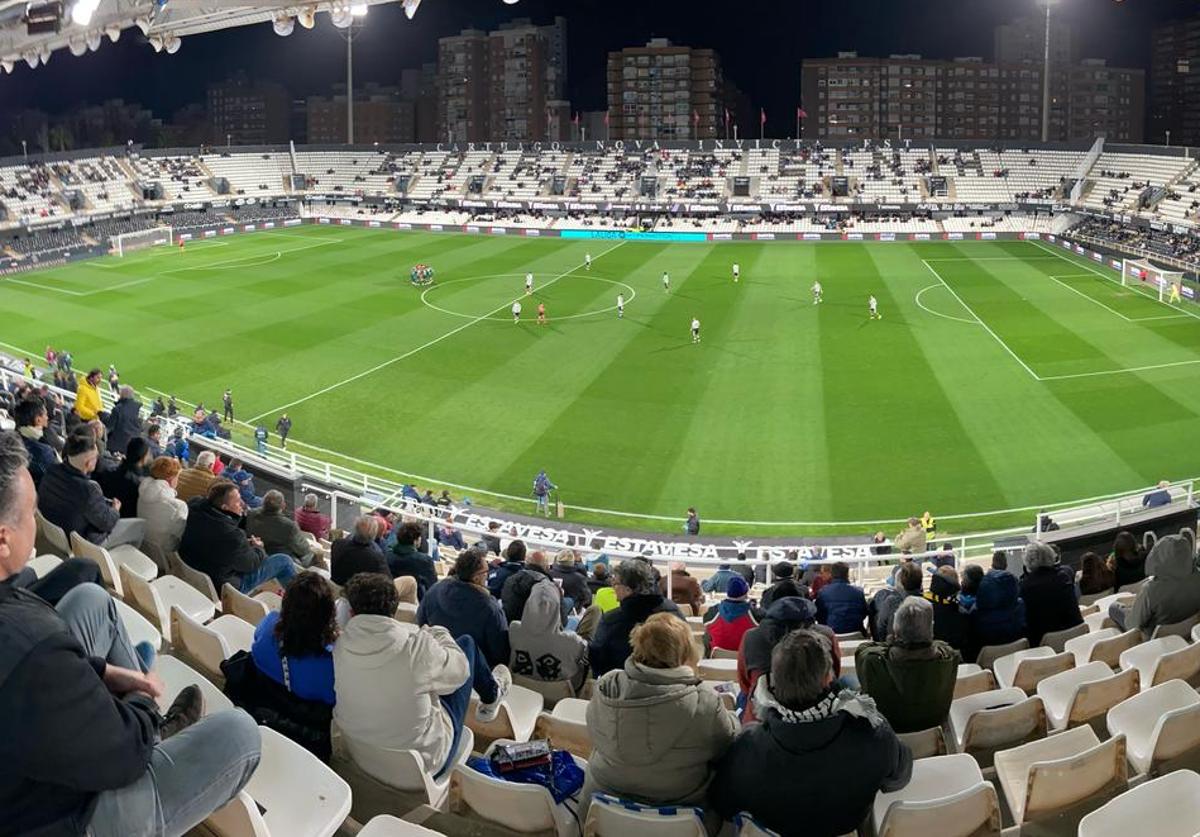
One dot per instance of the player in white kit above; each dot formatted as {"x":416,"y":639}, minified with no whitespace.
{"x":516,"y":312}
{"x":620,"y":306}
{"x":695,"y":330}
{"x":816,"y":292}
{"x":737,"y":271}
{"x":587,"y":260}
{"x":873,"y":305}
{"x":666,"y":282}
{"x":528,"y":284}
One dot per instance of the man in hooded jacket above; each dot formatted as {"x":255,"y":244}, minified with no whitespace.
{"x":1172,"y":594}
{"x":541,"y":649}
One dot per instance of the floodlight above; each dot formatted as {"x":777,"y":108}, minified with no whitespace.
{"x":511,"y":2}
{"x":284,"y":25}
{"x":410,"y":8}
{"x":307,"y":17}
{"x":156,"y":41}
{"x":82,"y":11}
{"x":7,"y":64}
{"x":45,"y":52}
{"x":143,"y":23}
{"x":31,"y":58}
{"x":93,"y":39}
{"x":78,"y":46}
{"x":172,"y":43}
{"x":113,"y":30}
{"x":359,"y":9}
{"x":341,"y":17}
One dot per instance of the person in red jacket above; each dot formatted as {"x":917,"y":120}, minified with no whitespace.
{"x":733,"y":617}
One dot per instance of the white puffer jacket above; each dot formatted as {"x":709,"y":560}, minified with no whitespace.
{"x":164,"y":513}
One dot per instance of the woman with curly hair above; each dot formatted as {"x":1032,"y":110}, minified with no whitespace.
{"x":294,"y":646}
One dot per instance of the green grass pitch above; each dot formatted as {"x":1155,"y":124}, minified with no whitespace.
{"x":1002,"y":375}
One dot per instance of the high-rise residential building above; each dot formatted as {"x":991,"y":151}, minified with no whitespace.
{"x":245,"y":112}
{"x":665,"y":92}
{"x":907,"y":97}
{"x":419,"y":86}
{"x":506,"y":85}
{"x":380,"y":115}
{"x":1175,"y":83}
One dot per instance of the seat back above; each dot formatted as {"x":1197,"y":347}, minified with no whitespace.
{"x":973,"y":684}
{"x":612,"y":817}
{"x":515,"y":806}
{"x":1177,"y":665}
{"x":552,"y":691}
{"x":724,"y":654}
{"x":974,"y":811}
{"x":1058,"y":639}
{"x":406,"y":612}
{"x":1183,"y":629}
{"x":564,"y":734}
{"x":54,"y":536}
{"x":1093,"y":700}
{"x":142,"y":595}
{"x":1109,"y":651}
{"x":200,"y":644}
{"x":239,"y":818}
{"x":990,"y":730}
{"x":302,"y":796}
{"x":990,"y":653}
{"x":194,"y":578}
{"x":1054,"y":785}
{"x":386,"y":825}
{"x":405,"y":769}
{"x":1034,"y":670}
{"x":1165,"y":807}
{"x":747,"y":827}
{"x":926,"y":743}
{"x":239,"y":604}
{"x":109,"y":571}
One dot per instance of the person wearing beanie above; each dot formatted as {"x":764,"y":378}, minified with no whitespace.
{"x":571,"y":575}
{"x":1172,"y":592}
{"x":733,"y":617}
{"x":1051,"y":598}
{"x":783,"y":584}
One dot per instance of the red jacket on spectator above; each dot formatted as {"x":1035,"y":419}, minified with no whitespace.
{"x":732,"y":622}
{"x":313,"y":522}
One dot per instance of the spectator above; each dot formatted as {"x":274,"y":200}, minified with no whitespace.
{"x":541,"y":649}
{"x":685,"y":590}
{"x":1127,"y":561}
{"x":1171,"y":593}
{"x":68,"y":498}
{"x":911,"y":539}
{"x":572,"y":578}
{"x":517,"y":587}
{"x":656,"y":732}
{"x":491,"y":543}
{"x":278,"y":531}
{"x":745,"y":570}
{"x":32,"y":419}
{"x":87,"y":397}
{"x":406,"y":560}
{"x":907,"y":582}
{"x":999,"y":615}
{"x":461,"y":604}
{"x":820,"y":576}
{"x":283,"y":427}
{"x":733,"y":618}
{"x":215,"y":542}
{"x":910,"y":677}
{"x":164,"y":513}
{"x":124,"y":421}
{"x":783,"y":584}
{"x":841,"y":605}
{"x":717,"y":582}
{"x":403,"y":687}
{"x":237,"y":474}
{"x":357,"y":552}
{"x":301,"y":632}
{"x":1158,"y":498}
{"x":639,"y":598}
{"x":604,"y":597}
{"x":448,"y":535}
{"x":754,"y":657}
{"x":1048,"y":590}
{"x":196,"y":480}
{"x":1095,"y":578}
{"x":310,"y":519}
{"x":154,"y":440}
{"x":949,"y":622}
{"x":691,"y":526}
{"x":90,"y":753}
{"x":815,"y":743}
{"x":514,"y":562}
{"x":122,"y":483}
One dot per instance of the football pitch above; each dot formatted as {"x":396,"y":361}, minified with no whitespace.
{"x":1002,"y":375}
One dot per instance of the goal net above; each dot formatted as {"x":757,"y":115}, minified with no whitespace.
{"x":1165,"y":283}
{"x":142,"y":239}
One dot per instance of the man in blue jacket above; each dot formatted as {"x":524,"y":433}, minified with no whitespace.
{"x":461,"y":604}
{"x":32,"y":419}
{"x":841,"y":605}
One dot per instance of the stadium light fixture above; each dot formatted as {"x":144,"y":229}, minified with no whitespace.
{"x":44,"y":53}
{"x":341,"y":17}
{"x":7,"y":64}
{"x":113,"y":30}
{"x":78,"y":46}
{"x":410,"y":8}
{"x":359,"y":9}
{"x":93,"y":39}
{"x":82,"y":11}
{"x":307,"y":17}
{"x":284,"y":25}
{"x":31,"y":58}
{"x":144,"y":24}
{"x":511,"y":2}
{"x":156,"y":41}
{"x":172,"y":43}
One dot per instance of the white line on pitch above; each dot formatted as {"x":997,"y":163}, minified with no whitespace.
{"x":979,"y":320}
{"x":420,"y":348}
{"x":984,"y":258}
{"x":917,"y":299}
{"x":1089,"y":298}
{"x":43,"y":287}
{"x":1120,"y":371}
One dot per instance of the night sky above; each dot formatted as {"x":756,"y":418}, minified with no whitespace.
{"x":760,"y":43}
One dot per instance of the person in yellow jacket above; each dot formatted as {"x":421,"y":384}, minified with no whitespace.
{"x":929,"y":525}
{"x":87,"y":397}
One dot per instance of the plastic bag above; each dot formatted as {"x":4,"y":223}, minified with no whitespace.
{"x":562,"y":777}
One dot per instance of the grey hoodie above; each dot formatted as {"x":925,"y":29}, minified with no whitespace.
{"x":1173,"y":594}
{"x":541,"y":649}
{"x":656,"y":734}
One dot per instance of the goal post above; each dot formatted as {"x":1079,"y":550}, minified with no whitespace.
{"x":142,"y":239}
{"x":1142,"y":271}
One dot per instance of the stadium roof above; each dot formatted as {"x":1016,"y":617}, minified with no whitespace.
{"x":32,"y":30}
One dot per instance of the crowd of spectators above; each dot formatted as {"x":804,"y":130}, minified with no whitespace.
{"x":1163,"y":242}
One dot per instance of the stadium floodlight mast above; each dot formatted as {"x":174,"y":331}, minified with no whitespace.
{"x":1049,"y":4}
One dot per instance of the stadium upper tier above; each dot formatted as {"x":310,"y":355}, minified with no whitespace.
{"x":1153,"y":183}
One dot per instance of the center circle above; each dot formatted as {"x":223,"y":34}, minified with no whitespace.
{"x":505,"y":316}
